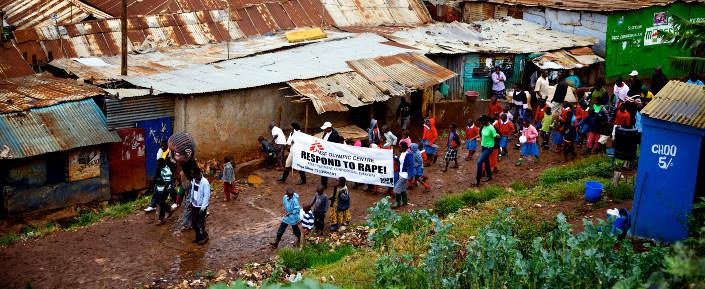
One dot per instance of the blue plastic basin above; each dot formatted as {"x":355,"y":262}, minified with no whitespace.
{"x":593,"y":191}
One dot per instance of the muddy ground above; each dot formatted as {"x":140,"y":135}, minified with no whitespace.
{"x":129,"y":252}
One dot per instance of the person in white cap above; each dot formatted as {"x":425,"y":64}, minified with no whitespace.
{"x":331,"y":135}
{"x":634,"y":84}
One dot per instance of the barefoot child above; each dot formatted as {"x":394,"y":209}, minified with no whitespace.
{"x":472,"y":134}
{"x":529,"y":147}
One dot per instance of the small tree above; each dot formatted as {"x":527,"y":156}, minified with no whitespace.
{"x":687,"y":35}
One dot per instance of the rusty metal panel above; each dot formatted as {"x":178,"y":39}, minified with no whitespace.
{"x":12,"y":64}
{"x":587,"y":5}
{"x":30,"y":13}
{"x":336,"y":92}
{"x":127,"y":161}
{"x":680,"y":103}
{"x":55,"y":128}
{"x":407,"y":70}
{"x":296,"y":13}
{"x":245,"y":23}
{"x":370,"y":12}
{"x":38,"y":90}
{"x":276,"y":10}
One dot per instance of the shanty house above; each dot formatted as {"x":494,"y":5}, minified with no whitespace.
{"x":625,"y":29}
{"x":52,"y":144}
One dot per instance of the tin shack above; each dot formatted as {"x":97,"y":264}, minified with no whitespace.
{"x":52,"y":144}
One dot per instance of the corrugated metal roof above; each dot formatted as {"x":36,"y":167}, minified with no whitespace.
{"x":567,"y":59}
{"x":337,"y":91}
{"x":680,"y":103}
{"x":12,"y":64}
{"x":165,"y":60}
{"x":587,"y":5}
{"x":125,"y":112}
{"x":40,"y":90}
{"x":30,"y":13}
{"x":377,"y":13}
{"x":507,"y":35}
{"x":55,"y":128}
{"x":310,"y":61}
{"x":399,"y":74}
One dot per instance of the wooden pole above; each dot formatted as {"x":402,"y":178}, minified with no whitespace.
{"x":2,"y":28}
{"x":306,"y":118}
{"x":227,"y":41}
{"x":123,"y":32}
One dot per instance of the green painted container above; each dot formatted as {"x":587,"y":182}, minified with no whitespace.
{"x":630,"y":44}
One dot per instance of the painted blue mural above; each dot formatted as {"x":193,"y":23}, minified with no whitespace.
{"x":156,"y":130}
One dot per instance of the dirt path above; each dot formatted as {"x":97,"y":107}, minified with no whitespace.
{"x":133,"y":251}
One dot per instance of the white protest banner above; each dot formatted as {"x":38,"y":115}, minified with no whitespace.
{"x":357,"y":164}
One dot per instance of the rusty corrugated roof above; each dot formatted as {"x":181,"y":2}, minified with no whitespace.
{"x":12,"y":64}
{"x":398,"y":74}
{"x":55,"y":128}
{"x":41,"y":90}
{"x":588,"y":5}
{"x":30,"y":13}
{"x":680,"y":103}
{"x":337,"y":92}
{"x":567,"y":59}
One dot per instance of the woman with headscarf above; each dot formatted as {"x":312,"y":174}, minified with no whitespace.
{"x":373,"y":134}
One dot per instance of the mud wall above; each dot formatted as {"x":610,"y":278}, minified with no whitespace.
{"x":229,"y":123}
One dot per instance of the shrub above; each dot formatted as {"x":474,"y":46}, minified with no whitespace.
{"x":9,"y":238}
{"x":382,"y":219}
{"x":412,"y":221}
{"x":595,"y":166}
{"x":397,"y":272}
{"x":620,"y":192}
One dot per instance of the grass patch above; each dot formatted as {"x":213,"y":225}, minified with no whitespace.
{"x":10,"y":238}
{"x":452,"y":203}
{"x":356,"y":271}
{"x":622,"y":191}
{"x":313,"y":255}
{"x":595,"y":166}
{"x":120,"y":210}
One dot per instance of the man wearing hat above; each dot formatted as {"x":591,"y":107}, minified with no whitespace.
{"x":331,"y":135}
{"x":634,"y":84}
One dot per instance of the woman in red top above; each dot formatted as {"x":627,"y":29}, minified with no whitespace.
{"x":622,"y":117}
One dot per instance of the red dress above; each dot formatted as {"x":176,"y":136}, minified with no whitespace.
{"x":622,"y":118}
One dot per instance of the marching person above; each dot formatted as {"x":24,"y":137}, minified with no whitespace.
{"x":505,"y":128}
{"x":319,"y":204}
{"x":430,"y":135}
{"x":268,"y":151}
{"x":472,"y":133}
{"x":290,"y":218}
{"x":373,"y":134}
{"x":452,"y":147}
{"x":390,"y":140}
{"x":406,"y":165}
{"x":289,"y":159}
{"x":418,"y":175}
{"x":279,"y":141}
{"x":229,"y":179}
{"x":529,"y":147}
{"x":331,"y":135}
{"x":163,"y":184}
{"x":341,"y":217}
{"x":488,"y":135}
{"x":182,"y":151}
{"x":199,"y":206}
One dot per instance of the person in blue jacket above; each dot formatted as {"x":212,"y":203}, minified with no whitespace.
{"x":291,"y":217}
{"x":406,"y":167}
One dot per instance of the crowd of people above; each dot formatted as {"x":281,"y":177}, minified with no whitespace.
{"x":553,"y":114}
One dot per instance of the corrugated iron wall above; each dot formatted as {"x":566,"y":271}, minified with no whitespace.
{"x":124,"y":113}
{"x":455,"y":63}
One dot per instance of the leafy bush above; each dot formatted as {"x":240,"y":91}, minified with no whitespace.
{"x":412,"y":221}
{"x":313,"y":255}
{"x":595,"y":166}
{"x":382,"y":219}
{"x":9,"y":238}
{"x":397,"y":272}
{"x":306,"y":284}
{"x":440,"y":266}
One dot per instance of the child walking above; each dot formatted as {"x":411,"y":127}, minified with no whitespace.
{"x":319,"y":204}
{"x":505,"y":128}
{"x":229,"y":180}
{"x":341,"y":203}
{"x":406,"y":165}
{"x":453,"y":144}
{"x":546,"y":125}
{"x":472,"y":134}
{"x":430,"y":135}
{"x":307,"y":221}
{"x":529,"y":147}
{"x":418,"y":168}
{"x":569,"y":135}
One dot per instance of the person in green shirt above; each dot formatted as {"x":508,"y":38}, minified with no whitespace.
{"x":546,"y":126}
{"x":488,"y":135}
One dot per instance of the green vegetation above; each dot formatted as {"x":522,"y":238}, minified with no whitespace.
{"x":85,"y":217}
{"x":449,"y":204}
{"x":306,"y":284}
{"x":313,"y":255}
{"x":594,"y":166}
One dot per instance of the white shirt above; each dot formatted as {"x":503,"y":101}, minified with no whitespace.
{"x":403,"y":175}
{"x":200,"y":194}
{"x":542,"y":87}
{"x":278,"y":135}
{"x":621,"y":92}
{"x":326,"y":135}
{"x":159,"y":153}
